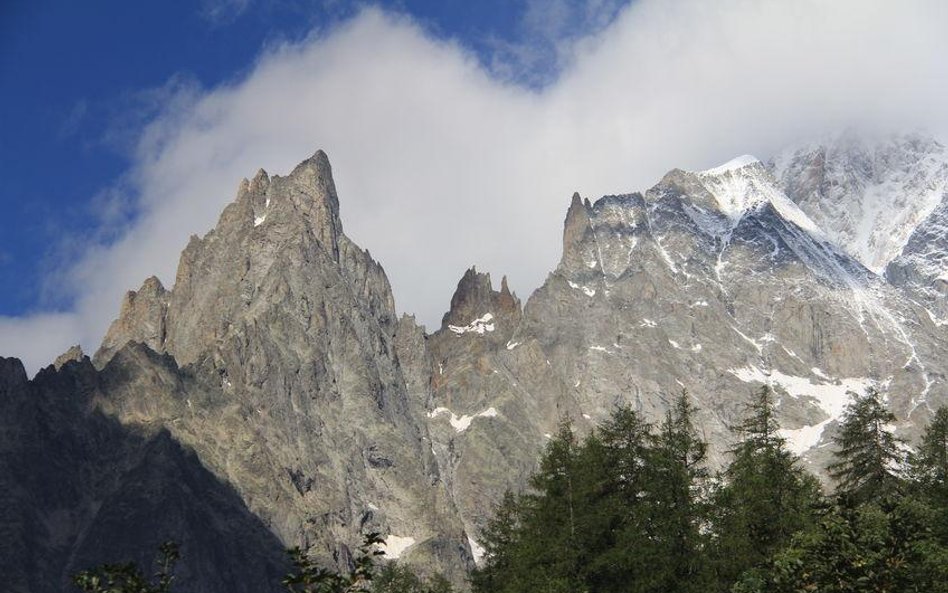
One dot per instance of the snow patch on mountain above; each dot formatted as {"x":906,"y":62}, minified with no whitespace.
{"x":462,"y":423}
{"x":585,"y":289}
{"x":477,"y":550}
{"x":395,"y":545}
{"x":478,"y":326}
{"x":831,"y":395}
{"x":739,"y":190}
{"x":732,"y":165}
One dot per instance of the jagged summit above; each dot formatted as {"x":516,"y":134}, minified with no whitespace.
{"x":307,"y":197}
{"x":575,"y":229}
{"x":739,"y":187}
{"x":142,"y":318}
{"x":476,"y":308}
{"x":288,"y":334}
{"x":73,"y":354}
{"x":280,"y":231}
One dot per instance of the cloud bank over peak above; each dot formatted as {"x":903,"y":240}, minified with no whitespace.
{"x":440,"y":164}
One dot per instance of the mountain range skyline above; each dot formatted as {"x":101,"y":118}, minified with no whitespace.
{"x":438,"y":141}
{"x":277,"y":379}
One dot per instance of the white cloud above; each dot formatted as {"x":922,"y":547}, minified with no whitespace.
{"x":38,"y":339}
{"x":440,"y":165}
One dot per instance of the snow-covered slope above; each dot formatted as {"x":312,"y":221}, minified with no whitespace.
{"x":868,"y":194}
{"x":921,"y":270}
{"x":741,"y":185}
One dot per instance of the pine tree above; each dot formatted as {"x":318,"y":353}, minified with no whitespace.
{"x":870,"y":548}
{"x":929,"y":465}
{"x":621,"y":562}
{"x":554,"y":514}
{"x":676,"y":476}
{"x":625,"y":438}
{"x":534,"y":542}
{"x":929,"y":470}
{"x":868,"y":455}
{"x":765,"y":496}
{"x":500,"y":540}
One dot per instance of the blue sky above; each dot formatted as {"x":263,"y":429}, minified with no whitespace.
{"x":457,"y":130}
{"x":79,"y":79}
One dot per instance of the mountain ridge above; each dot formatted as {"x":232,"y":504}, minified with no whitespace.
{"x":278,"y":357}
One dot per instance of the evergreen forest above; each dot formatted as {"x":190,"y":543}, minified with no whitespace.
{"x":633,"y":508}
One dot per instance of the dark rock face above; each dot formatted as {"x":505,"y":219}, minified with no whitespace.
{"x":273,"y":397}
{"x":78,"y":489}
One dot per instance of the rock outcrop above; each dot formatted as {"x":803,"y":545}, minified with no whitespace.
{"x":78,"y":488}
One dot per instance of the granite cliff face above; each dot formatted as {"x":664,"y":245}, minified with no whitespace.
{"x":289,"y":330}
{"x":274,"y":396}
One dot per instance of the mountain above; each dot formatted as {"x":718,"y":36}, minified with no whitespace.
{"x":277,"y":378}
{"x":883,"y":201}
{"x":274,"y":360}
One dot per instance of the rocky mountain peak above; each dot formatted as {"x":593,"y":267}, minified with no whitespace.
{"x":307,"y":197}
{"x":73,"y":354}
{"x":12,"y":375}
{"x":277,"y":315}
{"x":576,"y":231}
{"x":479,"y":309}
{"x":280,"y":240}
{"x":142,"y":318}
{"x":313,"y":179}
{"x":260,"y":181}
{"x":743,"y":185}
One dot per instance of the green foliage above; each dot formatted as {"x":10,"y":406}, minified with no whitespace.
{"x":128,"y":578}
{"x":928,"y":470}
{"x":501,"y":542}
{"x":620,"y":511}
{"x":868,"y":454}
{"x":308,"y":577}
{"x":674,"y":482}
{"x":928,"y":466}
{"x":872,"y":548}
{"x":763,"y":498}
{"x":632,"y":509}
{"x":882,"y":535}
{"x":395,"y":578}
